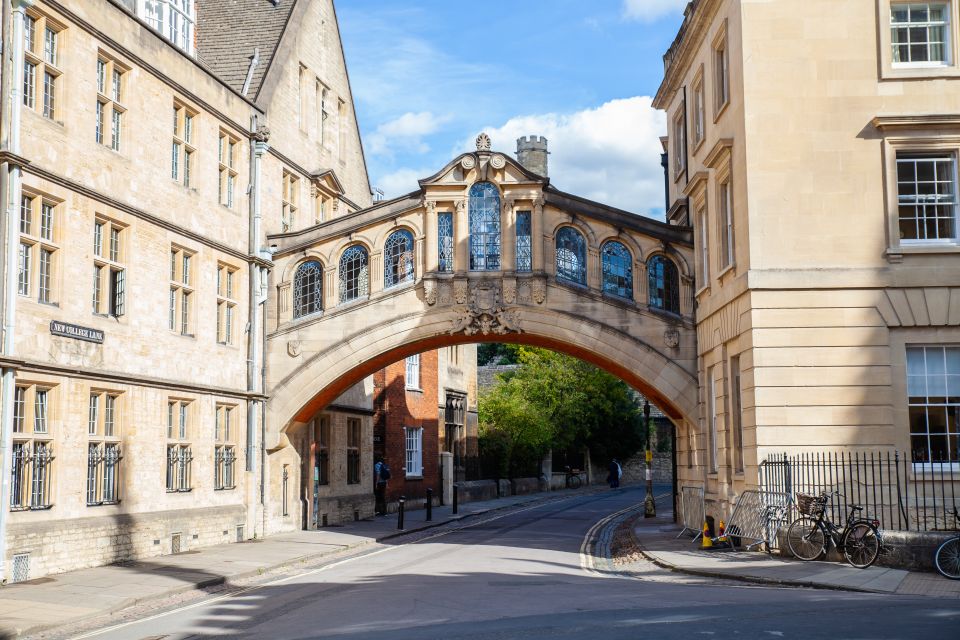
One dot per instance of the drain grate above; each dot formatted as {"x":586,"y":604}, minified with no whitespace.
{"x":21,"y":567}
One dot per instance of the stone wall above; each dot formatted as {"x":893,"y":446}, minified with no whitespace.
{"x":65,"y":545}
{"x":635,"y":469}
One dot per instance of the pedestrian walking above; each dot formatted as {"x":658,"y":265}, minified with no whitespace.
{"x":381,"y":474}
{"x":616,"y":472}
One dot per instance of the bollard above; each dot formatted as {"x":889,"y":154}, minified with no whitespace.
{"x":400,"y":512}
{"x":429,"y":504}
{"x":456,"y":492}
{"x":441,"y":484}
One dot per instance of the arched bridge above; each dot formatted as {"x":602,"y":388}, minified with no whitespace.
{"x":483,"y":250}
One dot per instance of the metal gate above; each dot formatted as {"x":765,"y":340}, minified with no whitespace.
{"x":692,"y":511}
{"x":757,"y":515}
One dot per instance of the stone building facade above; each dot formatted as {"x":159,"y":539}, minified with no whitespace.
{"x":148,"y":151}
{"x":816,"y":160}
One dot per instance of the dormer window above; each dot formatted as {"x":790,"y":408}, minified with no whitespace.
{"x":174,"y":19}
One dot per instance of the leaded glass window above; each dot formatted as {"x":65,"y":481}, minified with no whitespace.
{"x":617,"y":270}
{"x":308,"y":289}
{"x":663,"y":284}
{"x":398,"y":259}
{"x":445,"y":241}
{"x":354,"y":274}
{"x":524,"y":242}
{"x":484,"y":227}
{"x":571,"y":256}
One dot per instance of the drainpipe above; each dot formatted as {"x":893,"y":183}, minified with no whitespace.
{"x":11,"y":199}
{"x":256,"y":336}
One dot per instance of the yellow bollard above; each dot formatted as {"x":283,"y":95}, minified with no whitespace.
{"x":705,"y":541}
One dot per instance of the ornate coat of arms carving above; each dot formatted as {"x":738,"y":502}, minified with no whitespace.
{"x":485,"y":314}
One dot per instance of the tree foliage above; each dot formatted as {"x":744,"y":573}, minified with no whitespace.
{"x":554,"y":401}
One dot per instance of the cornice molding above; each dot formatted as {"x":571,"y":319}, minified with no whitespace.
{"x":690,"y":33}
{"x":11,"y":158}
{"x":697,"y":182}
{"x":934,"y":120}
{"x":720,"y":150}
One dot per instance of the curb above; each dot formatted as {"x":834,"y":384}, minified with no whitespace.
{"x":705,"y":573}
{"x":7,"y":632}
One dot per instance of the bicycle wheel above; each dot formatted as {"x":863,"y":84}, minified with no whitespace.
{"x":947,"y":559}
{"x":573,"y":482}
{"x":805,"y":538}
{"x":861,"y":545}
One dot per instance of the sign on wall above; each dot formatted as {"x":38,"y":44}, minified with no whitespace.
{"x":75,"y":331}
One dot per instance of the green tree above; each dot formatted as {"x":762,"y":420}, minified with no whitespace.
{"x":556,"y":401}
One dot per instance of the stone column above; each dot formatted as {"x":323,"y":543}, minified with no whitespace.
{"x":508,"y":237}
{"x":593,"y":268}
{"x":686,"y":295}
{"x":430,"y":238}
{"x":461,"y":238}
{"x":376,"y":272}
{"x":536,"y":235}
{"x":640,"y":295}
{"x":330,"y":293}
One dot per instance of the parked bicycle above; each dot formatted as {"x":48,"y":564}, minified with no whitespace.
{"x":573,"y":478}
{"x":947,"y":558}
{"x":809,"y":535}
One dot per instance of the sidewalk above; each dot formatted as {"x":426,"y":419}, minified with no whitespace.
{"x":67,"y":598}
{"x":657,"y":539}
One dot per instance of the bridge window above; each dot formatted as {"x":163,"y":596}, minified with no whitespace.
{"x":354,"y":274}
{"x":398,"y":259}
{"x":308,"y":289}
{"x":617,"y":270}
{"x":484,"y":227}
{"x":445,"y":241}
{"x":524,"y":244}
{"x":664,"y":284}
{"x":571,"y":256}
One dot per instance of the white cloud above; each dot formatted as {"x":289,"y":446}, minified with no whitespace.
{"x":402,"y":181}
{"x":407,"y":130}
{"x":650,"y":10}
{"x":610,"y":154}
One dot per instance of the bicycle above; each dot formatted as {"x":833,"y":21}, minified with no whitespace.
{"x":573,"y":478}
{"x":809,"y":535}
{"x":947,"y":557}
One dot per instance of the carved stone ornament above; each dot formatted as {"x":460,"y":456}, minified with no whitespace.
{"x":485,"y":314}
{"x":539,"y":286}
{"x":509,"y":291}
{"x":262,"y":134}
{"x":461,"y":205}
{"x":671,"y":338}
{"x":294,"y":348}
{"x":483,"y":142}
{"x":497,"y":162}
{"x":460,"y":291}
{"x":430,"y":292}
{"x":468,"y":162}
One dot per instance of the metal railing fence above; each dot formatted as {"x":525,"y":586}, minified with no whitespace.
{"x":901,"y":494}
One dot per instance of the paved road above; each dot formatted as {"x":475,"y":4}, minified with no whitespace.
{"x":519,"y":576}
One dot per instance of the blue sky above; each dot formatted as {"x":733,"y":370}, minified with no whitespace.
{"x":429,"y":75}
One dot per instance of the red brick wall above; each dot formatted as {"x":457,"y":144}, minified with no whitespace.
{"x":396,"y":408}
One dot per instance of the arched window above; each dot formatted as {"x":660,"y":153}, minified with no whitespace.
{"x":354,"y":274}
{"x":484,"y":227}
{"x":571,"y":256}
{"x":663,"y":284}
{"x":617,"y":270}
{"x":308,"y":289}
{"x":398,"y":258}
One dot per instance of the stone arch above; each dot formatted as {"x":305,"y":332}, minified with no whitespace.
{"x":290,"y":268}
{"x":385,"y":232}
{"x":321,"y":377}
{"x":628,"y":241}
{"x":584,"y":228}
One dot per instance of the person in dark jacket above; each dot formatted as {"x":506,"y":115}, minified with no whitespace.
{"x":613,"y":478}
{"x":380,"y":475}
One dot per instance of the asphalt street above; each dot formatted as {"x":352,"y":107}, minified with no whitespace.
{"x":520,"y":575}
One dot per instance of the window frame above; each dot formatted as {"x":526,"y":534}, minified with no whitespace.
{"x":184,"y":150}
{"x":356,"y":280}
{"x":484,"y":225}
{"x":104,"y":434}
{"x":607,"y":259}
{"x":182,"y":299}
{"x":354,"y":439}
{"x":290,"y":200}
{"x":890,"y":70}
{"x":35,"y":58}
{"x":110,"y":104}
{"x":302,"y":308}
{"x":562,"y":273}
{"x":411,"y":374}
{"x":946,"y":404}
{"x":720,"y":61}
{"x":179,"y":459}
{"x":679,"y":128}
{"x":109,"y":269}
{"x":228,"y":146}
{"x":32,"y":481}
{"x":399,"y":264}
{"x":413,"y":456}
{"x":699,"y":111}
{"x":948,"y":38}
{"x":40,"y":279}
{"x":225,"y":448}
{"x":226,"y":303}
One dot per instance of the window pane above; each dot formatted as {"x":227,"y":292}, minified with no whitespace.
{"x":571,"y":256}
{"x":484,"y":222}
{"x":398,"y":259}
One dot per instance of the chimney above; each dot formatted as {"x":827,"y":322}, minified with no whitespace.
{"x":532,"y":154}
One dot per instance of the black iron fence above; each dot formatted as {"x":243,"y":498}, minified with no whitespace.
{"x":901,"y":494}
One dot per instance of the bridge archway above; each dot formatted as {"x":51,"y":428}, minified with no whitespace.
{"x":520,"y":296}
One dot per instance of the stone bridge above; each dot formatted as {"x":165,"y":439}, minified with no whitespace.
{"x":484,"y":250}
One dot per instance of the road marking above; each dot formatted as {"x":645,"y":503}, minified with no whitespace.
{"x":587,"y":558}
{"x":325,"y":567}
